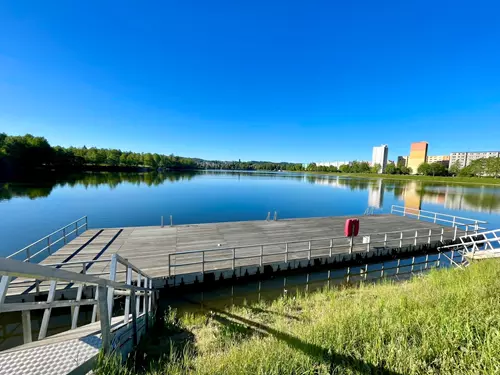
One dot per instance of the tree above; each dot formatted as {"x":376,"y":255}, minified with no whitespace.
{"x":376,"y":168}
{"x":390,"y":169}
{"x":437,"y":169}
{"x":345,"y":168}
{"x":424,"y":169}
{"x":455,"y":168}
{"x":405,"y":170}
{"x":493,"y":166}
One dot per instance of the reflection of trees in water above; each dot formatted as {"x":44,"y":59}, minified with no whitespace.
{"x":44,"y":185}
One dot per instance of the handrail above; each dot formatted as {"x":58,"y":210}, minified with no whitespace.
{"x":368,"y":241}
{"x":440,"y":217}
{"x":50,"y":244}
{"x":431,"y":212}
{"x":105,"y":290}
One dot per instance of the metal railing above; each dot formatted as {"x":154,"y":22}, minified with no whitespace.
{"x":261,"y":254}
{"x":488,"y":241}
{"x":49,"y":242}
{"x":467,"y":224}
{"x":140,"y":297}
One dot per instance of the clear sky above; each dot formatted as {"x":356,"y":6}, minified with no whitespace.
{"x":253,"y":80}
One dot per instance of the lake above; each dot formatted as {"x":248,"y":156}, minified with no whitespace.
{"x":30,"y":210}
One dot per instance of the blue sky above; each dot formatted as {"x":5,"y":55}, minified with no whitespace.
{"x":253,"y":80}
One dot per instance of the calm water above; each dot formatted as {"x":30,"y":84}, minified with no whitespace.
{"x":29,"y":211}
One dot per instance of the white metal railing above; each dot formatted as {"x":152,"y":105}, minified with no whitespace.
{"x":48,"y":242}
{"x":261,"y":254}
{"x":482,"y":241}
{"x":467,"y":224}
{"x":140,"y":297}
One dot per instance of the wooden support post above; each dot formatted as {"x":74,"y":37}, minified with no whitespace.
{"x":104,"y":317}
{"x":26,"y":320}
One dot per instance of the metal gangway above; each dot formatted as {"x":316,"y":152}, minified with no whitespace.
{"x":481,"y":245}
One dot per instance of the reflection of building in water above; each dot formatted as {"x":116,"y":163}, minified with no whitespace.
{"x":411,"y":195}
{"x":336,"y":183}
{"x":376,"y":195}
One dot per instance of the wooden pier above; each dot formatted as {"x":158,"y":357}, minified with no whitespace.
{"x":162,"y":252}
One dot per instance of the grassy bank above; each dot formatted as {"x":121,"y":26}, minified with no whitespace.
{"x":451,"y":180}
{"x":447,"y":322}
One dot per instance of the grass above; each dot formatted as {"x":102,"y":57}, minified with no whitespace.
{"x":447,"y":322}
{"x":445,"y":179}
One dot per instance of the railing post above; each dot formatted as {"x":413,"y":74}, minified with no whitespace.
{"x":404,"y":211}
{"x":138,"y":297}
{"x":429,"y":238}
{"x":455,"y":233}
{"x":26,"y":321}
{"x":133,"y":310}
{"x":401,"y":240}
{"x":309,"y":252}
{"x":203,"y":262}
{"x":475,"y":227}
{"x":442,"y":235}
{"x":79,"y":292}
{"x":261,"y":254}
{"x":286,"y":252}
{"x":146,"y":304}
{"x":368,"y":244}
{"x":105,"y":318}
{"x":382,"y":271}
{"x":128,"y":281}
{"x":397,"y":268}
{"x":161,"y":221}
{"x":348,"y":274}
{"x":435,"y":218}
{"x":331,"y":247}
{"x":385,"y":240}
{"x":454,"y":220}
{"x":46,"y":314}
{"x":416,"y":236}
{"x":28,"y":255}
{"x":112,"y":276}
{"x":418,"y":215}
{"x":4,"y":285}
{"x":171,"y":221}
{"x":275,"y":215}
{"x":234,"y":258}
{"x":351,"y":240}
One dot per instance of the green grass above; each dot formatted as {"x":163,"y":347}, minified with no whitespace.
{"x":447,"y":322}
{"x":445,"y":179}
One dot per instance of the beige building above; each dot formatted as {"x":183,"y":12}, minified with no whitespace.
{"x":443,"y":159}
{"x":418,"y":155}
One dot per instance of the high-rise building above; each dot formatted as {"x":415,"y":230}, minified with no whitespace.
{"x":402,"y":161}
{"x":463,"y":159}
{"x":418,"y":155}
{"x":443,"y":159}
{"x":379,"y":156}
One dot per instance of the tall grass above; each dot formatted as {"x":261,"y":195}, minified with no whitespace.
{"x":447,"y":322}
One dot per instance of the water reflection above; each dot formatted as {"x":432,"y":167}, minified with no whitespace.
{"x":412,"y":193}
